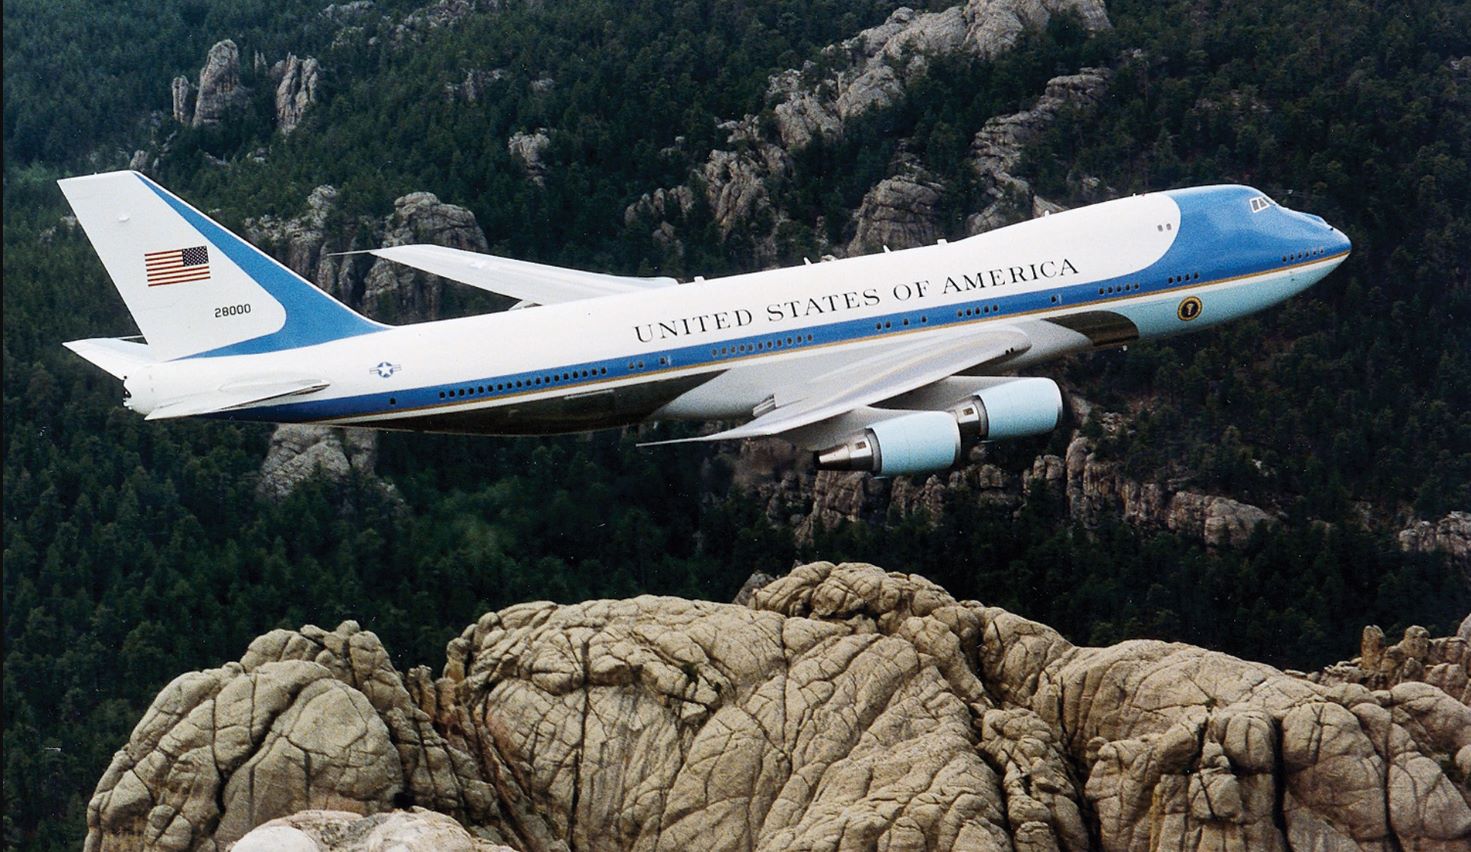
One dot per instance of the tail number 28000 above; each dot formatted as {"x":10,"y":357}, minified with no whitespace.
{"x":232,"y":310}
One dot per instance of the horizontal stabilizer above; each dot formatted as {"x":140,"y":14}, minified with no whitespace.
{"x":236,"y":395}
{"x":117,"y":355}
{"x":530,"y":282}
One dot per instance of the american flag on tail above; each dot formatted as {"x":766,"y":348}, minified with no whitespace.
{"x":176,"y":266}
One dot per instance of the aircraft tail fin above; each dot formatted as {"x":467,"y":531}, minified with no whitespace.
{"x":194,"y":288}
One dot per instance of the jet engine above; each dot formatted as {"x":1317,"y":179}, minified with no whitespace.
{"x":1013,"y":409}
{"x":911,"y":443}
{"x":925,"y":441}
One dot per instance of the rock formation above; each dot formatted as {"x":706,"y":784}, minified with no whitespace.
{"x":219,"y":85}
{"x":843,"y":707}
{"x":415,"y":830}
{"x":296,"y":91}
{"x":441,"y":13}
{"x":300,"y":452}
{"x":183,"y":96}
{"x":528,"y":149}
{"x":1093,"y":486}
{"x":1450,"y":535}
{"x":302,"y":243}
{"x":1443,"y":662}
{"x":868,"y":72}
{"x":899,"y":212}
{"x":997,"y":149}
{"x":474,"y":86}
{"x":405,"y":294}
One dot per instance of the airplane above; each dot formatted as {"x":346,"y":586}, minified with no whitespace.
{"x":891,"y":363}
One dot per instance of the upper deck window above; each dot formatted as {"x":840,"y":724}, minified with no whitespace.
{"x":1260,"y":203}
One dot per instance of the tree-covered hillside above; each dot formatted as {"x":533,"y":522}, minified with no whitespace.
{"x":134,"y":552}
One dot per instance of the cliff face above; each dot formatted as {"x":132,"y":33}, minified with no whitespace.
{"x":842,"y":707}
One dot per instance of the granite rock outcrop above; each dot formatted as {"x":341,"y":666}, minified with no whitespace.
{"x":1443,"y":662}
{"x":403,"y":293}
{"x":301,"y":451}
{"x":219,"y":88}
{"x":414,"y":830}
{"x":898,"y":212}
{"x":530,"y":149}
{"x":296,"y":91}
{"x":1450,"y":535}
{"x":841,"y":707}
{"x":1093,"y":486}
{"x":860,"y":75}
{"x":997,"y":149}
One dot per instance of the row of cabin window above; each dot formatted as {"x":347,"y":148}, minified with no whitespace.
{"x":904,"y":323}
{"x":1303,"y":255}
{"x":539,"y":380}
{"x":976,"y":312}
{"x":1118,"y":288}
{"x":759,"y":346}
{"x":664,"y":361}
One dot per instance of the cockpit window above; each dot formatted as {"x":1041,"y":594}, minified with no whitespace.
{"x":1260,"y":203}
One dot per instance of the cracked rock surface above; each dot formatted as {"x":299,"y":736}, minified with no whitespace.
{"x":842,"y":707}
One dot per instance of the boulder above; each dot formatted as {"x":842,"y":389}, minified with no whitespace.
{"x":842,"y":707}
{"x":413,"y":830}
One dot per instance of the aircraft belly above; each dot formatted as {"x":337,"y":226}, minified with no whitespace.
{"x":578,"y":412}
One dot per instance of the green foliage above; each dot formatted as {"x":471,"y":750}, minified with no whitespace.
{"x":134,"y":552}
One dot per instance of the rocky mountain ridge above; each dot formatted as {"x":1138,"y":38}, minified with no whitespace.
{"x":869,"y":72}
{"x":843,"y":707}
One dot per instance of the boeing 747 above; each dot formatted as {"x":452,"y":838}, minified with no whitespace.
{"x":892,"y":363}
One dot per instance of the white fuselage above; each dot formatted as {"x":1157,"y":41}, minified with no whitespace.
{"x":715,"y":349}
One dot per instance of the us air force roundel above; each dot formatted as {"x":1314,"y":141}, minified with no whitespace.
{"x":1189,"y":309}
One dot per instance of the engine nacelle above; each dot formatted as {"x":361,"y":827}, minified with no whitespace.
{"x":912,"y":443}
{"x":926,"y":441}
{"x":1013,"y":409}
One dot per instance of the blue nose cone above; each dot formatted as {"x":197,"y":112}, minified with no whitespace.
{"x":1341,"y":243}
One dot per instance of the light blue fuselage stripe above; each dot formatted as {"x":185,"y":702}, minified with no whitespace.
{"x":1206,"y":223}
{"x":312,"y":316}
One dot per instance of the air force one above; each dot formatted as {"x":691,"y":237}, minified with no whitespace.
{"x":891,"y":363}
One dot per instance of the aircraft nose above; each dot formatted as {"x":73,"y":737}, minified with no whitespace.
{"x":1341,"y":243}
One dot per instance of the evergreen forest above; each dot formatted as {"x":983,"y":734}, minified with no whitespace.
{"x":134,"y":552}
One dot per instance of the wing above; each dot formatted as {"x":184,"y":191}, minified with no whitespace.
{"x":885,"y":375}
{"x":519,"y":279}
{"x":236,"y":395}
